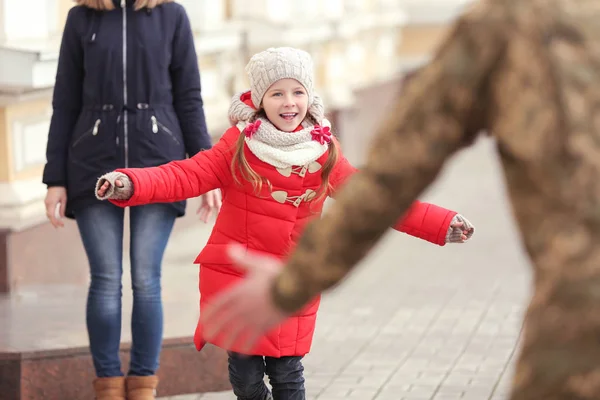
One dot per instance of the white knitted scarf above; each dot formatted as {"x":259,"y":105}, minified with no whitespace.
{"x":277,"y":148}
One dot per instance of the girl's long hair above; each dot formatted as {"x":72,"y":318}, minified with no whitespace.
{"x":241,"y":167}
{"x":105,"y":5}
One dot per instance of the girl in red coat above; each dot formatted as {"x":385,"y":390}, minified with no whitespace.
{"x":275,"y":165}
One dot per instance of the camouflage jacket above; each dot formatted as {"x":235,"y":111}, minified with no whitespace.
{"x":528,"y":73}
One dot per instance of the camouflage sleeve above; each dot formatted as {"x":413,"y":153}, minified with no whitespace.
{"x":439,"y":111}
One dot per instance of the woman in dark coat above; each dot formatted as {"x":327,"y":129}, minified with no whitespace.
{"x":127,"y":94}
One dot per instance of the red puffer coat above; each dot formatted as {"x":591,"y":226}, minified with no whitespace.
{"x":266,"y":223}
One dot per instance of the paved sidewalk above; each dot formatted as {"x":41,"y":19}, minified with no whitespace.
{"x":417,"y":321}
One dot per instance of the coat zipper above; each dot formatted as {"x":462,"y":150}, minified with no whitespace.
{"x":156,"y":125}
{"x":125,"y":128}
{"x":93,"y":130}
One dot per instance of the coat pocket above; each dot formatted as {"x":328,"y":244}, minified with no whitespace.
{"x":92,"y":131}
{"x":159,"y":139}
{"x":159,"y":128}
{"x":92,"y":152}
{"x":94,"y":138}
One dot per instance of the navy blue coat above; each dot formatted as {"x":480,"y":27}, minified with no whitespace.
{"x":105,"y":118}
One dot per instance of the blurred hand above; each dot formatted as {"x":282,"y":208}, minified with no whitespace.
{"x":245,"y":311}
{"x":209,"y":202}
{"x":56,"y":197}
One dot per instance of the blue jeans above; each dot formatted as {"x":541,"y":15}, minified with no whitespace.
{"x":101,"y":230}
{"x":286,"y":375}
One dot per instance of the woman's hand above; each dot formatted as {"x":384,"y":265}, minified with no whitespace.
{"x":209,"y":202}
{"x":56,"y":197}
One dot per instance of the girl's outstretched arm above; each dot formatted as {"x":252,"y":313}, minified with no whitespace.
{"x":425,"y":221}
{"x":174,"y":181}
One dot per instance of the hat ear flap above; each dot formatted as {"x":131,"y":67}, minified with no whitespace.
{"x":317,"y":109}
{"x":240,"y":111}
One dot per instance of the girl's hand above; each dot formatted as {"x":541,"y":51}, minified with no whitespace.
{"x":460,"y":230}
{"x":114,"y":185}
{"x":106,"y":186}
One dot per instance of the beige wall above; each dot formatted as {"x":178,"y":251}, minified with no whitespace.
{"x":228,"y":9}
{"x":5,"y":156}
{"x":63,"y":8}
{"x":24,"y":112}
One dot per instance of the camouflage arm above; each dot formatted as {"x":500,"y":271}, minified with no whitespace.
{"x":436,"y":115}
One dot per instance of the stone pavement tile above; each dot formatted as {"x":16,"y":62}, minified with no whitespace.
{"x":312,"y":391}
{"x":193,"y":397}
{"x":422,"y":390}
{"x":318,"y":382}
{"x":334,"y":392}
{"x":363,"y":394}
{"x":409,"y":396}
{"x":498,"y":395}
{"x":455,"y":396}
{"x":389,"y":394}
{"x":228,"y":395}
{"x":372,"y":382}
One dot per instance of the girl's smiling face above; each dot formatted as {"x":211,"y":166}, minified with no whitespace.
{"x":286,"y":104}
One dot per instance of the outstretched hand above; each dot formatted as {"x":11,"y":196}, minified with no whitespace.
{"x":246,"y":311}
{"x":105,"y":187}
{"x":460,"y":230}
{"x":459,"y":227}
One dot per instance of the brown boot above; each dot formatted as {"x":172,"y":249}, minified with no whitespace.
{"x":141,"y":387}
{"x":110,"y":388}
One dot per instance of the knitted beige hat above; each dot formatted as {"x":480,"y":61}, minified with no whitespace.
{"x":273,"y":64}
